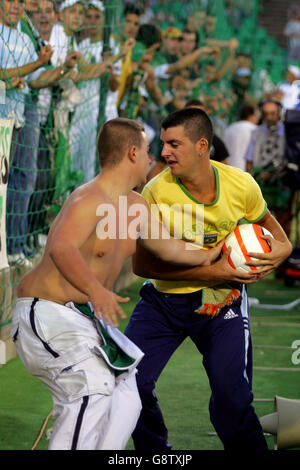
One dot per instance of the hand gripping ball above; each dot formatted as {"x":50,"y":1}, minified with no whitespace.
{"x":243,"y":240}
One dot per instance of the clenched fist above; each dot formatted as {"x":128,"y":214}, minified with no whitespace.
{"x":45,"y":54}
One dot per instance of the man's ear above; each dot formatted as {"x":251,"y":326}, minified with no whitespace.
{"x":132,"y":153}
{"x":202,"y":146}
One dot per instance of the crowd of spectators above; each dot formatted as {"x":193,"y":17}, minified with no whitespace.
{"x":70,"y":65}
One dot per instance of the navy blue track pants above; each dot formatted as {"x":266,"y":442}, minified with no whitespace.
{"x":158,"y":325}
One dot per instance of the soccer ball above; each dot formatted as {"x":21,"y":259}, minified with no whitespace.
{"x":244,"y":239}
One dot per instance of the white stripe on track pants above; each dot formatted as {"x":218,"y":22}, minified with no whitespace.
{"x":97,"y":421}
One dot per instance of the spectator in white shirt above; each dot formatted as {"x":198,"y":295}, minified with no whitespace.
{"x":21,"y":69}
{"x":237,"y":136}
{"x":290,"y":90}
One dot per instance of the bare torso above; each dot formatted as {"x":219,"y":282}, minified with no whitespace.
{"x":105,"y":259}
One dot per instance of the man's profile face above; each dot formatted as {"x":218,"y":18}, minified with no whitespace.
{"x":179,"y":151}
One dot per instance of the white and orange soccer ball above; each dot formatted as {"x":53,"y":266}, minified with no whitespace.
{"x":246,"y":239}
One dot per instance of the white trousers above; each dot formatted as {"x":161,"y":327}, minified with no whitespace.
{"x":93,"y":409}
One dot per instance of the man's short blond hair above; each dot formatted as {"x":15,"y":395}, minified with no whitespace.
{"x":115,"y":138}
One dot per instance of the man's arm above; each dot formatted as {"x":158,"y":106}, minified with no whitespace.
{"x":160,"y":258}
{"x":155,"y":237}
{"x":90,"y":71}
{"x":151,"y":85}
{"x":281,"y":247}
{"x":190,"y":59}
{"x":22,"y":71}
{"x":147,"y":265}
{"x":67,"y":238}
{"x":15,"y":83}
{"x":249,"y":166}
{"x":220,"y":73}
{"x":249,"y":156}
{"x":53,"y":75}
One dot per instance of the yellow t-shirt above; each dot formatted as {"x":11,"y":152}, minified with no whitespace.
{"x":238,"y":197}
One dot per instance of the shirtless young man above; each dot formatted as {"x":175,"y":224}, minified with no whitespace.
{"x":57,"y":339}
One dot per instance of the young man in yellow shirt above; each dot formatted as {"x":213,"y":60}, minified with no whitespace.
{"x":202,"y":303}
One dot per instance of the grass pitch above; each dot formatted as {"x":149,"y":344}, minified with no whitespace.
{"x":183,"y":391}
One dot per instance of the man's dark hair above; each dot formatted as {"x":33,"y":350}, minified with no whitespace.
{"x":270,"y":100}
{"x":131,"y":9}
{"x":246,"y":111}
{"x":115,"y":138}
{"x":195,"y":121}
{"x":149,"y":34}
{"x":194,"y":102}
{"x":187,"y":31}
{"x":244,"y":54}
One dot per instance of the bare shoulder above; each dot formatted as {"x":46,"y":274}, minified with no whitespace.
{"x":136,"y":198}
{"x":79,"y":215}
{"x":87,"y":197}
{"x":138,"y":205}
{"x":80,"y":209}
